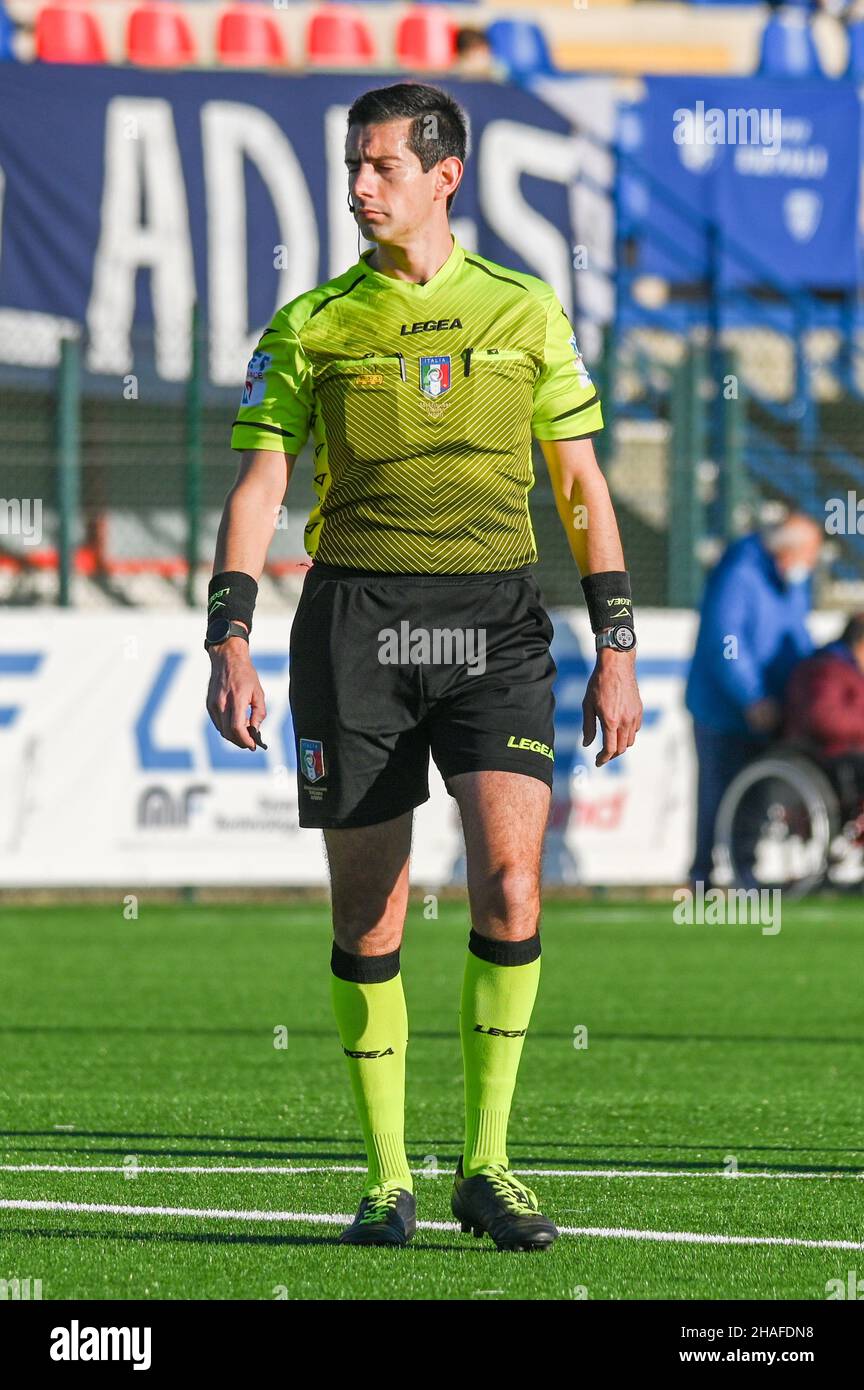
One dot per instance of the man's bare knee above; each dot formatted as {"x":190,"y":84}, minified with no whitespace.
{"x":506,"y":903}
{"x":369,"y":924}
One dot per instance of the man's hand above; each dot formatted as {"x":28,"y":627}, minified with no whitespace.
{"x":245,"y":533}
{"x":764,"y":716}
{"x":234,"y":686}
{"x":613,"y":698}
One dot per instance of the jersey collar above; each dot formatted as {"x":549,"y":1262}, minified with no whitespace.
{"x":412,"y":287}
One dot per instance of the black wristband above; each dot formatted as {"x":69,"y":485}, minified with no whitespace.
{"x":609,"y":600}
{"x":232,"y":595}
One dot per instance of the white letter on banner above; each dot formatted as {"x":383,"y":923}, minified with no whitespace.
{"x":144,"y":172}
{"x":231,"y":132}
{"x":507,"y":151}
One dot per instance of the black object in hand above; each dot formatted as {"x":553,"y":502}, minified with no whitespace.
{"x":257,"y":737}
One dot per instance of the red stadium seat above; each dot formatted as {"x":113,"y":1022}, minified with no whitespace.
{"x":249,"y":34}
{"x":426,"y":38}
{"x":68,"y":36}
{"x":336,"y":35}
{"x":159,"y":36}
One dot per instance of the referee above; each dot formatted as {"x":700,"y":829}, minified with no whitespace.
{"x":421,"y":374}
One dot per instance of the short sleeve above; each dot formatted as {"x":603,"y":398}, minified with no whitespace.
{"x":277,"y":401}
{"x":566,"y":404}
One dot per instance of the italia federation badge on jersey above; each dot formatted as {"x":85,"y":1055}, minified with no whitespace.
{"x":434,"y":376}
{"x":312,"y":759}
{"x":253,"y":391}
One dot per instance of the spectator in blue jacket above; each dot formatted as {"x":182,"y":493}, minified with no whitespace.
{"x":752,"y":632}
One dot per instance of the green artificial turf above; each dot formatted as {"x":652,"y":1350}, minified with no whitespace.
{"x":150,"y":1042}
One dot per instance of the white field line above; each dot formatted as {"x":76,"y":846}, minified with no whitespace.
{"x":285,"y":1171}
{"x":344,"y":1218}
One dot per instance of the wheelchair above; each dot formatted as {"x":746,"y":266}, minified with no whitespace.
{"x":792,"y":820}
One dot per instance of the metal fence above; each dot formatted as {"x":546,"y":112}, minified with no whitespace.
{"x":127,"y":475}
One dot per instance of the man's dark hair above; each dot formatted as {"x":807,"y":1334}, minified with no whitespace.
{"x":853,"y":632}
{"x":439,"y":127}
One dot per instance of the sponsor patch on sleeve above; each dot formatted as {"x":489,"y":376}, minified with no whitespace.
{"x":256,"y":372}
{"x":578,"y":364}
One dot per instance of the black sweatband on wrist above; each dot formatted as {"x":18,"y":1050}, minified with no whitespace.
{"x":232,"y":595}
{"x":609,"y":600}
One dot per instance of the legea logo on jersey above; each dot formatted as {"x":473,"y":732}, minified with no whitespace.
{"x":312,"y":759}
{"x":434,"y":376}
{"x":253,"y":391}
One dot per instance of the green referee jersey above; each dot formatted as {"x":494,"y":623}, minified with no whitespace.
{"x":421,"y":401}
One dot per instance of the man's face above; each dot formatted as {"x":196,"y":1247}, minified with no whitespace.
{"x":798,"y":560}
{"x":858,"y":653}
{"x":392,"y":195}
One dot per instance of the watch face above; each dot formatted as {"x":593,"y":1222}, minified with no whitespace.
{"x":217,"y":630}
{"x":624,"y":638}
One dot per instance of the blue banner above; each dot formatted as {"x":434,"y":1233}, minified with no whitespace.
{"x":128,"y":195}
{"x":774,"y":165}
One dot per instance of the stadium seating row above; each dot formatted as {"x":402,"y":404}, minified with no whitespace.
{"x":159,"y":35}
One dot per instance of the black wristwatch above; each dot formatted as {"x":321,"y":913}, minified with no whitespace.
{"x":220,"y":629}
{"x":620,"y":638}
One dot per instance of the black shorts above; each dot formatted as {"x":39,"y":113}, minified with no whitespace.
{"x":387,"y":668}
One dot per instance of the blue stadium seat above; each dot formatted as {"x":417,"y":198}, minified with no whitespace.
{"x":855,"y":66}
{"x":521,"y":47}
{"x":7,"y":29}
{"x":788,"y":49}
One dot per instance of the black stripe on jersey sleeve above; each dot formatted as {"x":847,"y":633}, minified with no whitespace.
{"x":506,"y":278}
{"x":340,"y":295}
{"x":259,"y":425}
{"x":577,"y":409}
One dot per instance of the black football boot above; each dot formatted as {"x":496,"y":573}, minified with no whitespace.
{"x":387,"y":1215}
{"x":495,"y":1201}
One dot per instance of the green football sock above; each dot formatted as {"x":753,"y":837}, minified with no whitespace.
{"x":498,"y":993}
{"x":369,"y":1004}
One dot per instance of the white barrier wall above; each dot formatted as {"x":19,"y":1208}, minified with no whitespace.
{"x":112,"y":774}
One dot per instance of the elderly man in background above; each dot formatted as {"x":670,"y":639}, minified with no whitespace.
{"x":752,"y":633}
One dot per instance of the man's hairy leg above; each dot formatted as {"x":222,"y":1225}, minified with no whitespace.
{"x":369,"y":884}
{"x":504,"y":817}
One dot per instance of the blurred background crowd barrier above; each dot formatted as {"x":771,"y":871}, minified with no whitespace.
{"x":686,"y":176}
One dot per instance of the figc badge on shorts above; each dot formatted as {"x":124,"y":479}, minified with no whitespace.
{"x":434,"y":376}
{"x":312,"y":759}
